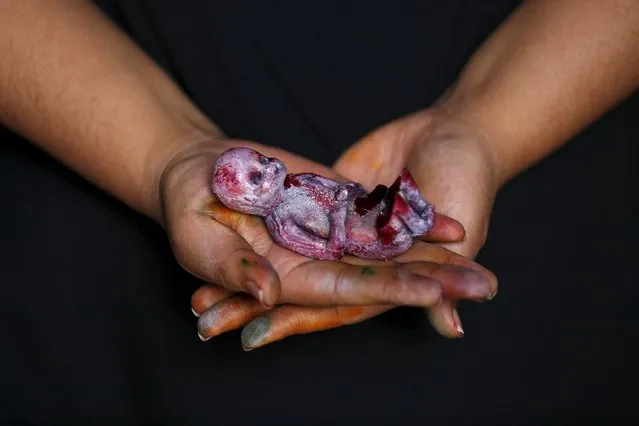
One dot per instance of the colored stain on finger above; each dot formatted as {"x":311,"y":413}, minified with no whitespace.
{"x":325,"y":319}
{"x":255,"y":332}
{"x":343,"y":315}
{"x":210,"y":204}
{"x":220,"y":213}
{"x":245,"y":263}
{"x":368,"y":271}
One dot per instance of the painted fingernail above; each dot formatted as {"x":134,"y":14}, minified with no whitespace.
{"x":255,"y":332}
{"x":457,"y":322}
{"x":195,"y":313}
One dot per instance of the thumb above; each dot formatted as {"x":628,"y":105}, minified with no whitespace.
{"x":214,"y":252}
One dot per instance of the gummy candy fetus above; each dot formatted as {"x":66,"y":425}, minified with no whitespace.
{"x":319,"y":217}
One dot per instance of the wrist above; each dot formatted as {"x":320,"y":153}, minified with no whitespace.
{"x":165,"y":164}
{"x":458,"y":175}
{"x":467,"y":142}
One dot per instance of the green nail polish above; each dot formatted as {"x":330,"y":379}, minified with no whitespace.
{"x":255,"y":332}
{"x":368,"y":271}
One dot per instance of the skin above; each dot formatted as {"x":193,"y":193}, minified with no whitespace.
{"x":551,"y":69}
{"x":322,"y":218}
{"x":78,"y":88}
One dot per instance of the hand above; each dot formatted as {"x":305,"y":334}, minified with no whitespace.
{"x":221,"y":310}
{"x":235,"y":252}
{"x":452,"y":167}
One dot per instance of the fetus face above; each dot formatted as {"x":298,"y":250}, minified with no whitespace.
{"x":249,"y":182}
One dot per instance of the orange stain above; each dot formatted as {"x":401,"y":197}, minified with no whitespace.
{"x":220,"y":213}
{"x":331,"y":318}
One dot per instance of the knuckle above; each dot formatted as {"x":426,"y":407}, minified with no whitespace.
{"x":212,"y":270}
{"x":340,"y":284}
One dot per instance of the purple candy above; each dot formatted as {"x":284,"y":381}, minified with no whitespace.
{"x":319,"y":217}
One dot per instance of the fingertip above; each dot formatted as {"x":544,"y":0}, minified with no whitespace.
{"x":494,"y":285}
{"x":205,"y":297}
{"x":267,"y":292}
{"x":445,"y":320}
{"x":479,"y":285}
{"x":445,"y":230}
{"x":261,"y":279}
{"x":255,"y":333}
{"x":274,"y":289}
{"x":457,"y":324}
{"x":483,"y":285}
{"x":205,"y":322}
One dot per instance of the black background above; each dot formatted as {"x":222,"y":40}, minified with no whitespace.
{"x":95,"y":319}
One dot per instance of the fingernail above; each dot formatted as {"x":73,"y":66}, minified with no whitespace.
{"x":255,"y":290}
{"x":260,"y":297}
{"x":491,"y":296}
{"x":258,"y":293}
{"x":457,"y":322}
{"x":208,"y":323}
{"x":202,"y":338}
{"x":255,"y":332}
{"x":195,"y":313}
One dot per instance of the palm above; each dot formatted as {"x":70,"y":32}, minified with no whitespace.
{"x":448,"y":166}
{"x":211,"y":241}
{"x":451,"y":169}
{"x":204,"y":231}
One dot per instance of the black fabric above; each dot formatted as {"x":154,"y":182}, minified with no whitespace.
{"x":95,"y":317}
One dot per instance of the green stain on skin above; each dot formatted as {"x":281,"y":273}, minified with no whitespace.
{"x":245,"y":263}
{"x":255,"y":332}
{"x":368,"y":271}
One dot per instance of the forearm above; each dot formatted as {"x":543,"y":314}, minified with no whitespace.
{"x":550,"y":70}
{"x":72,"y":83}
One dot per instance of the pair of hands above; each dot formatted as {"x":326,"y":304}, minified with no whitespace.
{"x":273,"y":293}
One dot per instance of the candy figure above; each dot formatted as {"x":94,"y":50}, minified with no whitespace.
{"x":319,"y":217}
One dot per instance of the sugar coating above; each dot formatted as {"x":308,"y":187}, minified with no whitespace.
{"x":319,"y":217}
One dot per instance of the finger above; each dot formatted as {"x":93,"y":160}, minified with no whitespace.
{"x":445,"y":230}
{"x":457,"y":282}
{"x":228,"y":314}
{"x":445,"y":320}
{"x":206,"y":296}
{"x":339,"y":283}
{"x":421,"y":251}
{"x":215,"y":253}
{"x":289,"y":320}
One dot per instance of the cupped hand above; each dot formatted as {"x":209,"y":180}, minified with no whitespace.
{"x":221,"y":310}
{"x":235,"y":253}
{"x":453,"y":168}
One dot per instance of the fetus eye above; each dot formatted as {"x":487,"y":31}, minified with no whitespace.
{"x":263,"y":160}
{"x":255,"y":178}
